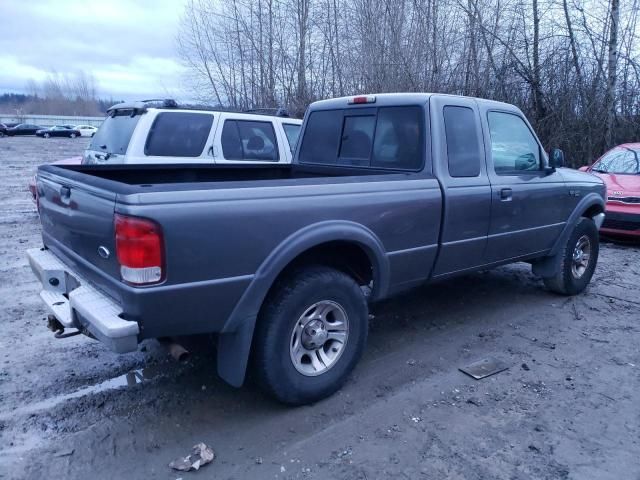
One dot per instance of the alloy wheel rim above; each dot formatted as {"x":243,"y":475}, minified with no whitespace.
{"x":581,"y":257}
{"x":319,"y":338}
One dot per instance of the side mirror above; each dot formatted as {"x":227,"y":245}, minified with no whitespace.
{"x":556,"y":158}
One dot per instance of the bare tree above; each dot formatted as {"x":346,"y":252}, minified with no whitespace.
{"x":612,"y":77}
{"x":573,"y":66}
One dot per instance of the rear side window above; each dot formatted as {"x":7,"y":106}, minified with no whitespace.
{"x":386,"y":137}
{"x":249,"y":140}
{"x":514,"y":149}
{"x":115,"y":132}
{"x":463,"y":149}
{"x":178,"y":134}
{"x":292,"y":132}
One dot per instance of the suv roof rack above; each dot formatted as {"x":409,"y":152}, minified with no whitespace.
{"x":141,"y":106}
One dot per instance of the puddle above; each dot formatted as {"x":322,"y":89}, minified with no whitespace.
{"x":129,"y":379}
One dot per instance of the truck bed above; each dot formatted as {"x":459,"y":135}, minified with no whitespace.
{"x":149,"y":176}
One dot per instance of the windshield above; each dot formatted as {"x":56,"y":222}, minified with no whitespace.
{"x":622,"y":161}
{"x":115,"y":132}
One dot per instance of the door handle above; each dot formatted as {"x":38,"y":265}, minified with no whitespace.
{"x":506,"y":194}
{"x":65,"y":194}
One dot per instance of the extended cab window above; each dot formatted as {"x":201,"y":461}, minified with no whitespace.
{"x":115,"y":132}
{"x":463,"y":149}
{"x":385,"y":137}
{"x":178,"y":134}
{"x":514,"y":149}
{"x":249,"y":140}
{"x":292,"y":132}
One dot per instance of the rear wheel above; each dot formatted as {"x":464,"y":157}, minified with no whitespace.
{"x":73,"y":135}
{"x":577,"y":260}
{"x":310,"y":335}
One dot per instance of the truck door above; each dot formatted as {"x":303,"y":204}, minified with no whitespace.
{"x":459,"y":163}
{"x":527,"y":202}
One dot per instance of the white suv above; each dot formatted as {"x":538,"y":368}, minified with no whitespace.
{"x":160,"y":131}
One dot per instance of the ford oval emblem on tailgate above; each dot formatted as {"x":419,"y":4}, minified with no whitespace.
{"x":103,"y":252}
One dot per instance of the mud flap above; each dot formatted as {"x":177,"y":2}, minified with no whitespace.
{"x":233,"y":353}
{"x":546,"y":267}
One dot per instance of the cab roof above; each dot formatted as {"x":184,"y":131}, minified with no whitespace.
{"x":394,"y":99}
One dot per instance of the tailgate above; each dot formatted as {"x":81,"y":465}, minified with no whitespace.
{"x":77,"y":223}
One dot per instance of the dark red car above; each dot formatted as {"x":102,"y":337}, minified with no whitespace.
{"x":620,"y":170}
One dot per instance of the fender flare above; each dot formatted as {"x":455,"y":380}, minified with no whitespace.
{"x":234,"y":342}
{"x":549,"y":266}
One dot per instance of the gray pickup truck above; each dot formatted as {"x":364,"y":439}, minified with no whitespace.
{"x":385,"y":193}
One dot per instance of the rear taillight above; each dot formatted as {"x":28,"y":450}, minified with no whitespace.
{"x":139,"y":249}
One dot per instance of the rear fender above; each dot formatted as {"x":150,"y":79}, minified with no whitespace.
{"x":234,"y":343}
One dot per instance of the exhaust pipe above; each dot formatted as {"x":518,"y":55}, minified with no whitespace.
{"x":177,"y":351}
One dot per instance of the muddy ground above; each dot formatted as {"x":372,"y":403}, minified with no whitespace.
{"x":568,"y":407}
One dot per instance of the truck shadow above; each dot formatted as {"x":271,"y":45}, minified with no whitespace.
{"x":464,"y":305}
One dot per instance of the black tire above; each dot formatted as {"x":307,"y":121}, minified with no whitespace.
{"x":282,"y":313}
{"x":45,"y":135}
{"x":73,"y":135}
{"x":566,"y":281}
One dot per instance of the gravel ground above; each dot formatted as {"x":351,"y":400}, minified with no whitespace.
{"x":566,"y":408}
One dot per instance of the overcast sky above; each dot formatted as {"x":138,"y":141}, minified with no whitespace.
{"x":128,"y":46}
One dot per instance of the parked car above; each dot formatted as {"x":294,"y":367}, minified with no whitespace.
{"x":86,"y":130}
{"x":620,"y":170}
{"x":58,"y":131}
{"x":11,"y":124}
{"x":385,"y":193}
{"x":164,"y":132}
{"x":23,"y":129}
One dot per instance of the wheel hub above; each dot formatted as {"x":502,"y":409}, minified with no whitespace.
{"x":581,"y":256}
{"x":314,"y":335}
{"x":319,"y":337}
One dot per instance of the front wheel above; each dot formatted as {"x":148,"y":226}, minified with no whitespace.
{"x":577,"y":260}
{"x":310,"y":335}
{"x":46,"y":135}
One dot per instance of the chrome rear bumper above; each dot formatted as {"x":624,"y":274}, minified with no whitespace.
{"x":78,"y":305}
